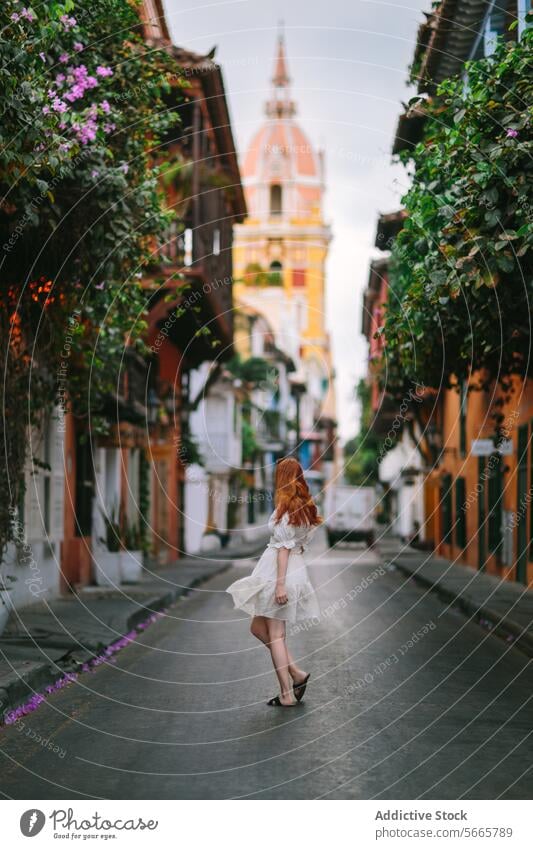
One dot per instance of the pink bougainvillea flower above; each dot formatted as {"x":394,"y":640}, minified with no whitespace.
{"x":60,"y":78}
{"x":46,"y":110}
{"x":28,"y":14}
{"x":103,"y":71}
{"x":512,"y":134}
{"x":15,"y":17}
{"x":68,"y":22}
{"x":80,"y":72}
{"x":64,"y":58}
{"x":78,"y":46}
{"x":105,"y":107}
{"x":75,"y":92}
{"x":87,"y":132}
{"x":59,"y":105}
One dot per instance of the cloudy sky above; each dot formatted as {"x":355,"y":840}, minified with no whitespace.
{"x":348,"y":62}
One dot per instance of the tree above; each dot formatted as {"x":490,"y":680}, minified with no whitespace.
{"x":82,"y":110}
{"x":364,"y":452}
{"x":461,"y":276}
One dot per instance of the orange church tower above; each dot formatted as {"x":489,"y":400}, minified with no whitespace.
{"x":281,"y":249}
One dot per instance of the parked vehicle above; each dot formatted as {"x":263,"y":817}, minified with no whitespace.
{"x":350,"y":514}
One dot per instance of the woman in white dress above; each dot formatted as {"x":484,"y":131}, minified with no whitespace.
{"x":279,"y":590}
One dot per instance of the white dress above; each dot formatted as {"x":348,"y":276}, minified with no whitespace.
{"x":256,"y":593}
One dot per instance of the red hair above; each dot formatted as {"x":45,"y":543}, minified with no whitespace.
{"x":292,"y":494}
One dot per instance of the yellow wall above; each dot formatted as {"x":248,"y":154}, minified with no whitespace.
{"x":298,"y":251}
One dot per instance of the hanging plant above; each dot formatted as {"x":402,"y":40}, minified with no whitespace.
{"x":461,"y":272}
{"x":80,"y":210}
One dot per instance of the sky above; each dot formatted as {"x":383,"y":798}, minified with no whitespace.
{"x":348,"y":63}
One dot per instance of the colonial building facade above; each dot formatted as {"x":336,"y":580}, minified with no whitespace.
{"x":93,"y":502}
{"x":473,"y":493}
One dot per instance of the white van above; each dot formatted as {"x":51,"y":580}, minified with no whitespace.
{"x":350,"y":514}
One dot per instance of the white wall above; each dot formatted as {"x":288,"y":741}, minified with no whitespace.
{"x":35,"y":560}
{"x":195,"y":507}
{"x":107,"y":491}
{"x":409,"y":497}
{"x":215,"y":426}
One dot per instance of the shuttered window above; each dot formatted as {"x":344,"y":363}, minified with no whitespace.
{"x":446,"y":507}
{"x":495,"y":503}
{"x":460,"y":513}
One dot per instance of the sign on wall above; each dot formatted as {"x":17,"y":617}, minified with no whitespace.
{"x":486,"y":447}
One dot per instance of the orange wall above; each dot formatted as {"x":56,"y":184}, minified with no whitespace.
{"x":76,"y":561}
{"x":479,"y":424}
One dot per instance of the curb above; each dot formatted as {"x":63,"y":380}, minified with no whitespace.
{"x":501,"y":625}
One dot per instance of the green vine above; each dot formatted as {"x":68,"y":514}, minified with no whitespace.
{"x":461,"y":278}
{"x":81,"y":205}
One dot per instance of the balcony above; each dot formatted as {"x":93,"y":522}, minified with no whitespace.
{"x":128,"y":402}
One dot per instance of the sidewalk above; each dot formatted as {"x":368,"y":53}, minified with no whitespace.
{"x":504,"y":606}
{"x":48,"y":640}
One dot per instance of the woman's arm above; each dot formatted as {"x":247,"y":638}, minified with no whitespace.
{"x":282,"y":563}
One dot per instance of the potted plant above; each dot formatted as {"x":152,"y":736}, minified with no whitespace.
{"x":131,"y":554}
{"x":107,"y":559}
{"x":5,"y":599}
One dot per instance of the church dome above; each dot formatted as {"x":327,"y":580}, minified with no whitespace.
{"x":282,"y":172}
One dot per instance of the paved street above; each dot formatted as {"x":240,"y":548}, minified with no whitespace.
{"x":408,"y":699}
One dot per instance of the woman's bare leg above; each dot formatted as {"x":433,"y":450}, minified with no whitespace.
{"x":297,"y":674}
{"x":278,"y":651}
{"x":259,"y":628}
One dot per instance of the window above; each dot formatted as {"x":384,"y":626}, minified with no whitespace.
{"x":298,"y":277}
{"x":460,"y":513}
{"x":84,"y":486}
{"x":496,"y":26}
{"x":446,"y":507}
{"x":42,"y":506}
{"x":495,"y":502}
{"x":501,"y":13}
{"x":524,"y":6}
{"x":276,"y":204}
{"x":188,"y":246}
{"x":462,"y":417}
{"x":216,"y":242}
{"x":275,"y":276}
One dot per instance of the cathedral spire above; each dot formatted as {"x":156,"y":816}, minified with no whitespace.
{"x":281,"y":77}
{"x":280,"y":104}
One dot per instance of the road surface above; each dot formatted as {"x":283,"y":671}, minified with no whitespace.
{"x":408,"y":699}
